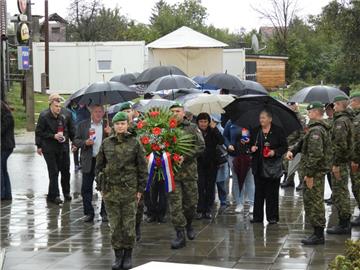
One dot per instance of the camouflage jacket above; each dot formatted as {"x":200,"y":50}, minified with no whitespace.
{"x":342,"y":137}
{"x":297,"y":135}
{"x":316,"y":156}
{"x":121,"y":166}
{"x":188,"y":170}
{"x":356,"y":145}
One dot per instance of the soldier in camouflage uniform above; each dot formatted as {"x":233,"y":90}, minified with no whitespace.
{"x":315,"y":162}
{"x":355,"y":161}
{"x":342,"y":143}
{"x":183,"y":200}
{"x":121,"y":170}
{"x":292,"y":139}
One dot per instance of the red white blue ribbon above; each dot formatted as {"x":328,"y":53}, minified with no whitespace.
{"x":168,"y":172}
{"x":151,"y":170}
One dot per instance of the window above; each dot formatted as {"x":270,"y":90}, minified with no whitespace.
{"x":55,"y":30}
{"x":103,"y":60}
{"x":250,"y":70}
{"x":104,"y":65}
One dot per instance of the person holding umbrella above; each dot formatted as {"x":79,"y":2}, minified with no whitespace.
{"x":315,"y":163}
{"x":268,"y":145}
{"x":355,"y":171}
{"x":342,"y":143}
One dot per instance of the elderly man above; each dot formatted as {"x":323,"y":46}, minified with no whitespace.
{"x":53,"y":131}
{"x":89,"y":136}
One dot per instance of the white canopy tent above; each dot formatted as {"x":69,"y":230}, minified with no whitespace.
{"x":191,"y":51}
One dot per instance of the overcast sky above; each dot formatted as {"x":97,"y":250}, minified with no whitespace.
{"x":231,"y":14}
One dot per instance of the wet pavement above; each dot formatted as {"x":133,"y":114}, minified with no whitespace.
{"x":39,"y":236}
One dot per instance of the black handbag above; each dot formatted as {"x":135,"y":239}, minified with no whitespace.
{"x":272,"y":168}
{"x":221,"y":155}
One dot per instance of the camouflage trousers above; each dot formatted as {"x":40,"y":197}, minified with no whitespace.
{"x":340,"y":192}
{"x":183,"y":201}
{"x":314,"y":202}
{"x":122,"y":222}
{"x":355,"y":186}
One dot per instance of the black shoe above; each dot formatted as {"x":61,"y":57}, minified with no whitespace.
{"x":190,"y":232}
{"x":118,"y":259}
{"x":344,"y":227}
{"x":356,"y":222}
{"x":317,"y":238}
{"x":272,"y":221}
{"x":256,"y":221}
{"x":300,"y":186}
{"x":199,"y":216}
{"x":162,"y":219}
{"x":138,"y":231}
{"x":329,"y":201}
{"x":56,"y":201}
{"x":67,"y":198}
{"x":127,"y":260}
{"x":207,"y":215}
{"x":288,"y":183}
{"x":89,"y":218}
{"x":104,"y":218}
{"x":150,"y":219}
{"x":179,"y":241}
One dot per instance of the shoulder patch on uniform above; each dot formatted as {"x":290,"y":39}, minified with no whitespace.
{"x":338,"y":126}
{"x":315,"y":136}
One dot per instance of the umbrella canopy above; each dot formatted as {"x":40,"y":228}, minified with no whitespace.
{"x":321,"y":93}
{"x":74,"y":96}
{"x":225,"y":81}
{"x":245,"y":112}
{"x":172,"y":82}
{"x":151,"y":74}
{"x":201,"y":81}
{"x":107,"y":93}
{"x":183,"y":99}
{"x":147,"y":104}
{"x":115,"y":108}
{"x":211,"y":104}
{"x":127,"y":78}
{"x":251,"y":88}
{"x":177,"y":93}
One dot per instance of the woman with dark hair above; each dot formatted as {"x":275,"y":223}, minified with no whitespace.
{"x":207,"y":165}
{"x":268,"y":145}
{"x":7,"y":147}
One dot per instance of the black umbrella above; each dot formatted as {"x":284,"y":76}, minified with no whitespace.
{"x":107,"y":93}
{"x":151,"y":74}
{"x":225,"y":81}
{"x":74,"y":96}
{"x":245,"y":112}
{"x":171,"y":82}
{"x":251,"y":88}
{"x":176,"y":93}
{"x":127,"y":78}
{"x":321,"y":93}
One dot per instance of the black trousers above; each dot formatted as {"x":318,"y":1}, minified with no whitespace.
{"x":76,"y":157}
{"x":58,"y":162}
{"x":87,"y":191}
{"x":206,"y":187}
{"x":266,"y":190}
{"x":158,"y":198}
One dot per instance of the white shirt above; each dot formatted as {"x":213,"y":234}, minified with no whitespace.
{"x":98,"y":139}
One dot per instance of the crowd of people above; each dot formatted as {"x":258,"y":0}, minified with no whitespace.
{"x":112,"y":156}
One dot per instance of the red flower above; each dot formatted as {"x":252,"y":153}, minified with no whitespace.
{"x":145,"y":140}
{"x":158,"y":161}
{"x":167,"y":144}
{"x":172,"y":123}
{"x":154,"y":113}
{"x":176,"y":157}
{"x":155,"y":147}
{"x":156,"y":131}
{"x":174,"y":139}
{"x":140,"y":124}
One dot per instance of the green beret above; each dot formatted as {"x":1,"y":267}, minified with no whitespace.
{"x":355,"y":94}
{"x":315,"y":105}
{"x":125,"y":106}
{"x":120,"y":116}
{"x":341,"y":98}
{"x":176,"y":105}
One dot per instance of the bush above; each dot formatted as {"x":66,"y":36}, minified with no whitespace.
{"x":351,"y":259}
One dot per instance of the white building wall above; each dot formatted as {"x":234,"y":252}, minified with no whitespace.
{"x":234,"y":62}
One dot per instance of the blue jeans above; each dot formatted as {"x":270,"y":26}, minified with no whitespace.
{"x":5,"y":179}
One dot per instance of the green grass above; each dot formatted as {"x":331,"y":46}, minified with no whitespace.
{"x":14,"y":99}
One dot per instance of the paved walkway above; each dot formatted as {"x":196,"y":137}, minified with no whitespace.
{"x":41,"y":236}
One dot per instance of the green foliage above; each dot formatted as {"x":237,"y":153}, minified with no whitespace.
{"x":351,"y":260}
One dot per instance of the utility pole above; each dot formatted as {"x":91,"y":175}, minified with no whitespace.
{"x":47,"y":84}
{"x":30,"y":104}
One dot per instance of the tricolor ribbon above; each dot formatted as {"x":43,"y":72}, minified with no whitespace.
{"x":151,"y":170}
{"x":168,"y":171}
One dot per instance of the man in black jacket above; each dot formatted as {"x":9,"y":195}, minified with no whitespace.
{"x":89,"y":135}
{"x":53,"y":131}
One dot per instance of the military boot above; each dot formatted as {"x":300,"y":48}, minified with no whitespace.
{"x":190,"y":231}
{"x":127,"y":260}
{"x":356,"y":222}
{"x":118,"y":259}
{"x":317,"y":238}
{"x":138,"y":232}
{"x":344,"y":227}
{"x":179,"y":241}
